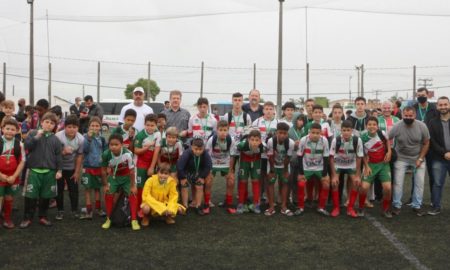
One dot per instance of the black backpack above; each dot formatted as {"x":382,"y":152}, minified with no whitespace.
{"x":230,"y":116}
{"x":275,"y":143}
{"x":339,"y":143}
{"x":17,"y":150}
{"x":214,"y":142}
{"x":121,"y":215}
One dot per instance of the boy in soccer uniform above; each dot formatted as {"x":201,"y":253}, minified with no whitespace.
{"x":359,"y":117}
{"x":146,"y":147}
{"x":376,"y":164}
{"x":12,"y":161}
{"x":94,"y":146}
{"x":288,"y":113}
{"x":313,"y":156}
{"x":73,"y":143}
{"x":171,"y":150}
{"x":45,"y":163}
{"x":222,"y":147}
{"x":126,"y":130}
{"x":251,"y":150}
{"x":279,"y":151}
{"x":317,"y":118}
{"x":238,"y":120}
{"x":346,"y":152}
{"x":202,"y":125}
{"x":162,"y":120}
{"x":160,"y":197}
{"x":194,"y":166}
{"x":118,"y":173}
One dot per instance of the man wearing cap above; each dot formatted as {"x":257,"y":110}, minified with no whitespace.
{"x":138,"y":105}
{"x":75,"y":108}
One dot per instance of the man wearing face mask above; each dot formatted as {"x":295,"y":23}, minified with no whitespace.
{"x":412,"y":141}
{"x":425,"y":112}
{"x":440,"y":151}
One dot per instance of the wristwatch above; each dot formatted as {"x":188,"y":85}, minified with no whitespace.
{"x":420,"y":159}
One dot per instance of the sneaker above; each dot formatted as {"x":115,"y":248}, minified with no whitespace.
{"x":25,"y":224}
{"x":100,"y":213}
{"x":170,"y":220}
{"x":352,"y":213}
{"x":247,"y":208}
{"x":387,"y":214}
{"x":221,"y":204}
{"x":231,"y":210}
{"x":135,"y":225}
{"x":199,"y":211}
{"x":206,"y":210}
{"x":395,"y":211}
{"x":8,"y":224}
{"x":211,"y":204}
{"x":240,"y":209}
{"x":336,"y":211}
{"x":45,"y":222}
{"x":361,"y":212}
{"x":52,"y":204}
{"x":299,"y":211}
{"x":107,"y":224}
{"x":145,"y":221}
{"x":419,"y":212}
{"x":256,"y":209}
{"x":434,"y":212}
{"x":87,"y":216}
{"x":323,"y":212}
{"x":59,"y":215}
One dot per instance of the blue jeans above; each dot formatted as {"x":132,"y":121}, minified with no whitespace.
{"x":440,"y":171}
{"x":400,"y":167}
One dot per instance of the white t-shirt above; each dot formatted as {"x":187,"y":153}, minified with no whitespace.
{"x":345,"y":157}
{"x":279,"y":152}
{"x":141,"y":112}
{"x":220,"y":156}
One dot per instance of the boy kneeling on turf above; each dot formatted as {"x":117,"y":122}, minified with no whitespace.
{"x":345,"y":158}
{"x":160,"y":197}
{"x":118,"y":173}
{"x":250,"y":150}
{"x":313,"y":156}
{"x":221,"y":147}
{"x":194,"y":167}
{"x":279,"y":152}
{"x":378,"y":153}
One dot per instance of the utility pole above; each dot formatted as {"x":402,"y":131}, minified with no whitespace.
{"x":254,"y":76}
{"x":83,"y":92}
{"x":149,"y":78}
{"x":201,"y":79}
{"x":359,"y":82}
{"x":414,"y":80}
{"x":31,"y":90}
{"x":425,"y":82}
{"x":307,"y":80}
{"x":4,"y":79}
{"x":280,"y":59}
{"x":98,"y":82}
{"x":362,"y":80}
{"x":50,"y":83}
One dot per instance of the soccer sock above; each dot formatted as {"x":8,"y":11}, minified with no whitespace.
{"x":242,"y":189}
{"x":335,"y":197}
{"x":109,"y":201}
{"x":139,"y":196}
{"x":133,"y":206}
{"x":386,"y":204}
{"x":301,"y":194}
{"x":256,"y":192}
{"x":362,"y":199}
{"x":310,"y":189}
{"x":246,"y":193}
{"x":323,"y":197}
{"x":89,"y":208}
{"x":7,"y":209}
{"x":351,"y":202}
{"x":98,"y":205}
{"x":207,"y":197}
{"x":228,"y":199}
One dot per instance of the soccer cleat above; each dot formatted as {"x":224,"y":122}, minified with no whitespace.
{"x":231,"y":210}
{"x":59,"y":215}
{"x":100,"y":213}
{"x":45,"y":222}
{"x":86,"y":216}
{"x":206,"y":210}
{"x":145,"y":221}
{"x":8,"y":224}
{"x":387,"y":214}
{"x":323,"y":212}
{"x":240,"y":209}
{"x":25,"y":224}
{"x":256,"y":209}
{"x":170,"y":220}
{"x":299,"y":211}
{"x":247,"y":208}
{"x":107,"y":224}
{"x":361,"y":213}
{"x":352,"y":213}
{"x":434,"y":212}
{"x":335,"y":212}
{"x":135,"y":225}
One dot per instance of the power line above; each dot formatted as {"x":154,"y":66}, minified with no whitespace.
{"x":383,"y":12}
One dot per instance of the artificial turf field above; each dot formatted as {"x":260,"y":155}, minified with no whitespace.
{"x":249,"y":241}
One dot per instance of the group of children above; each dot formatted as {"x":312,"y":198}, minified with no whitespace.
{"x":306,"y":155}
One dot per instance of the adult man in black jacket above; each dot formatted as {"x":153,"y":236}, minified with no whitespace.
{"x":439,"y":153}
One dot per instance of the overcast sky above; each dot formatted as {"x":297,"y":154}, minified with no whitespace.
{"x":176,"y":35}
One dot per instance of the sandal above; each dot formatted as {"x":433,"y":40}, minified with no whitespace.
{"x":287,"y":212}
{"x":269,"y":212}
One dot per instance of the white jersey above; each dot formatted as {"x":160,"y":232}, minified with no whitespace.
{"x":345,"y":157}
{"x":313,"y":153}
{"x":141,"y":113}
{"x":220,"y":155}
{"x":238,"y":127}
{"x":202,"y":127}
{"x":279,"y":152}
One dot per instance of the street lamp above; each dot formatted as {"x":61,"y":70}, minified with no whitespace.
{"x":31,"y":54}
{"x":280,"y":59}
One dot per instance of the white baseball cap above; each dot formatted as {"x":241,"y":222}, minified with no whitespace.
{"x":138,"y":89}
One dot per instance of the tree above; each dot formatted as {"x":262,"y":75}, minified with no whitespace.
{"x":323,"y":101}
{"x":154,"y":89}
{"x":298,"y":102}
